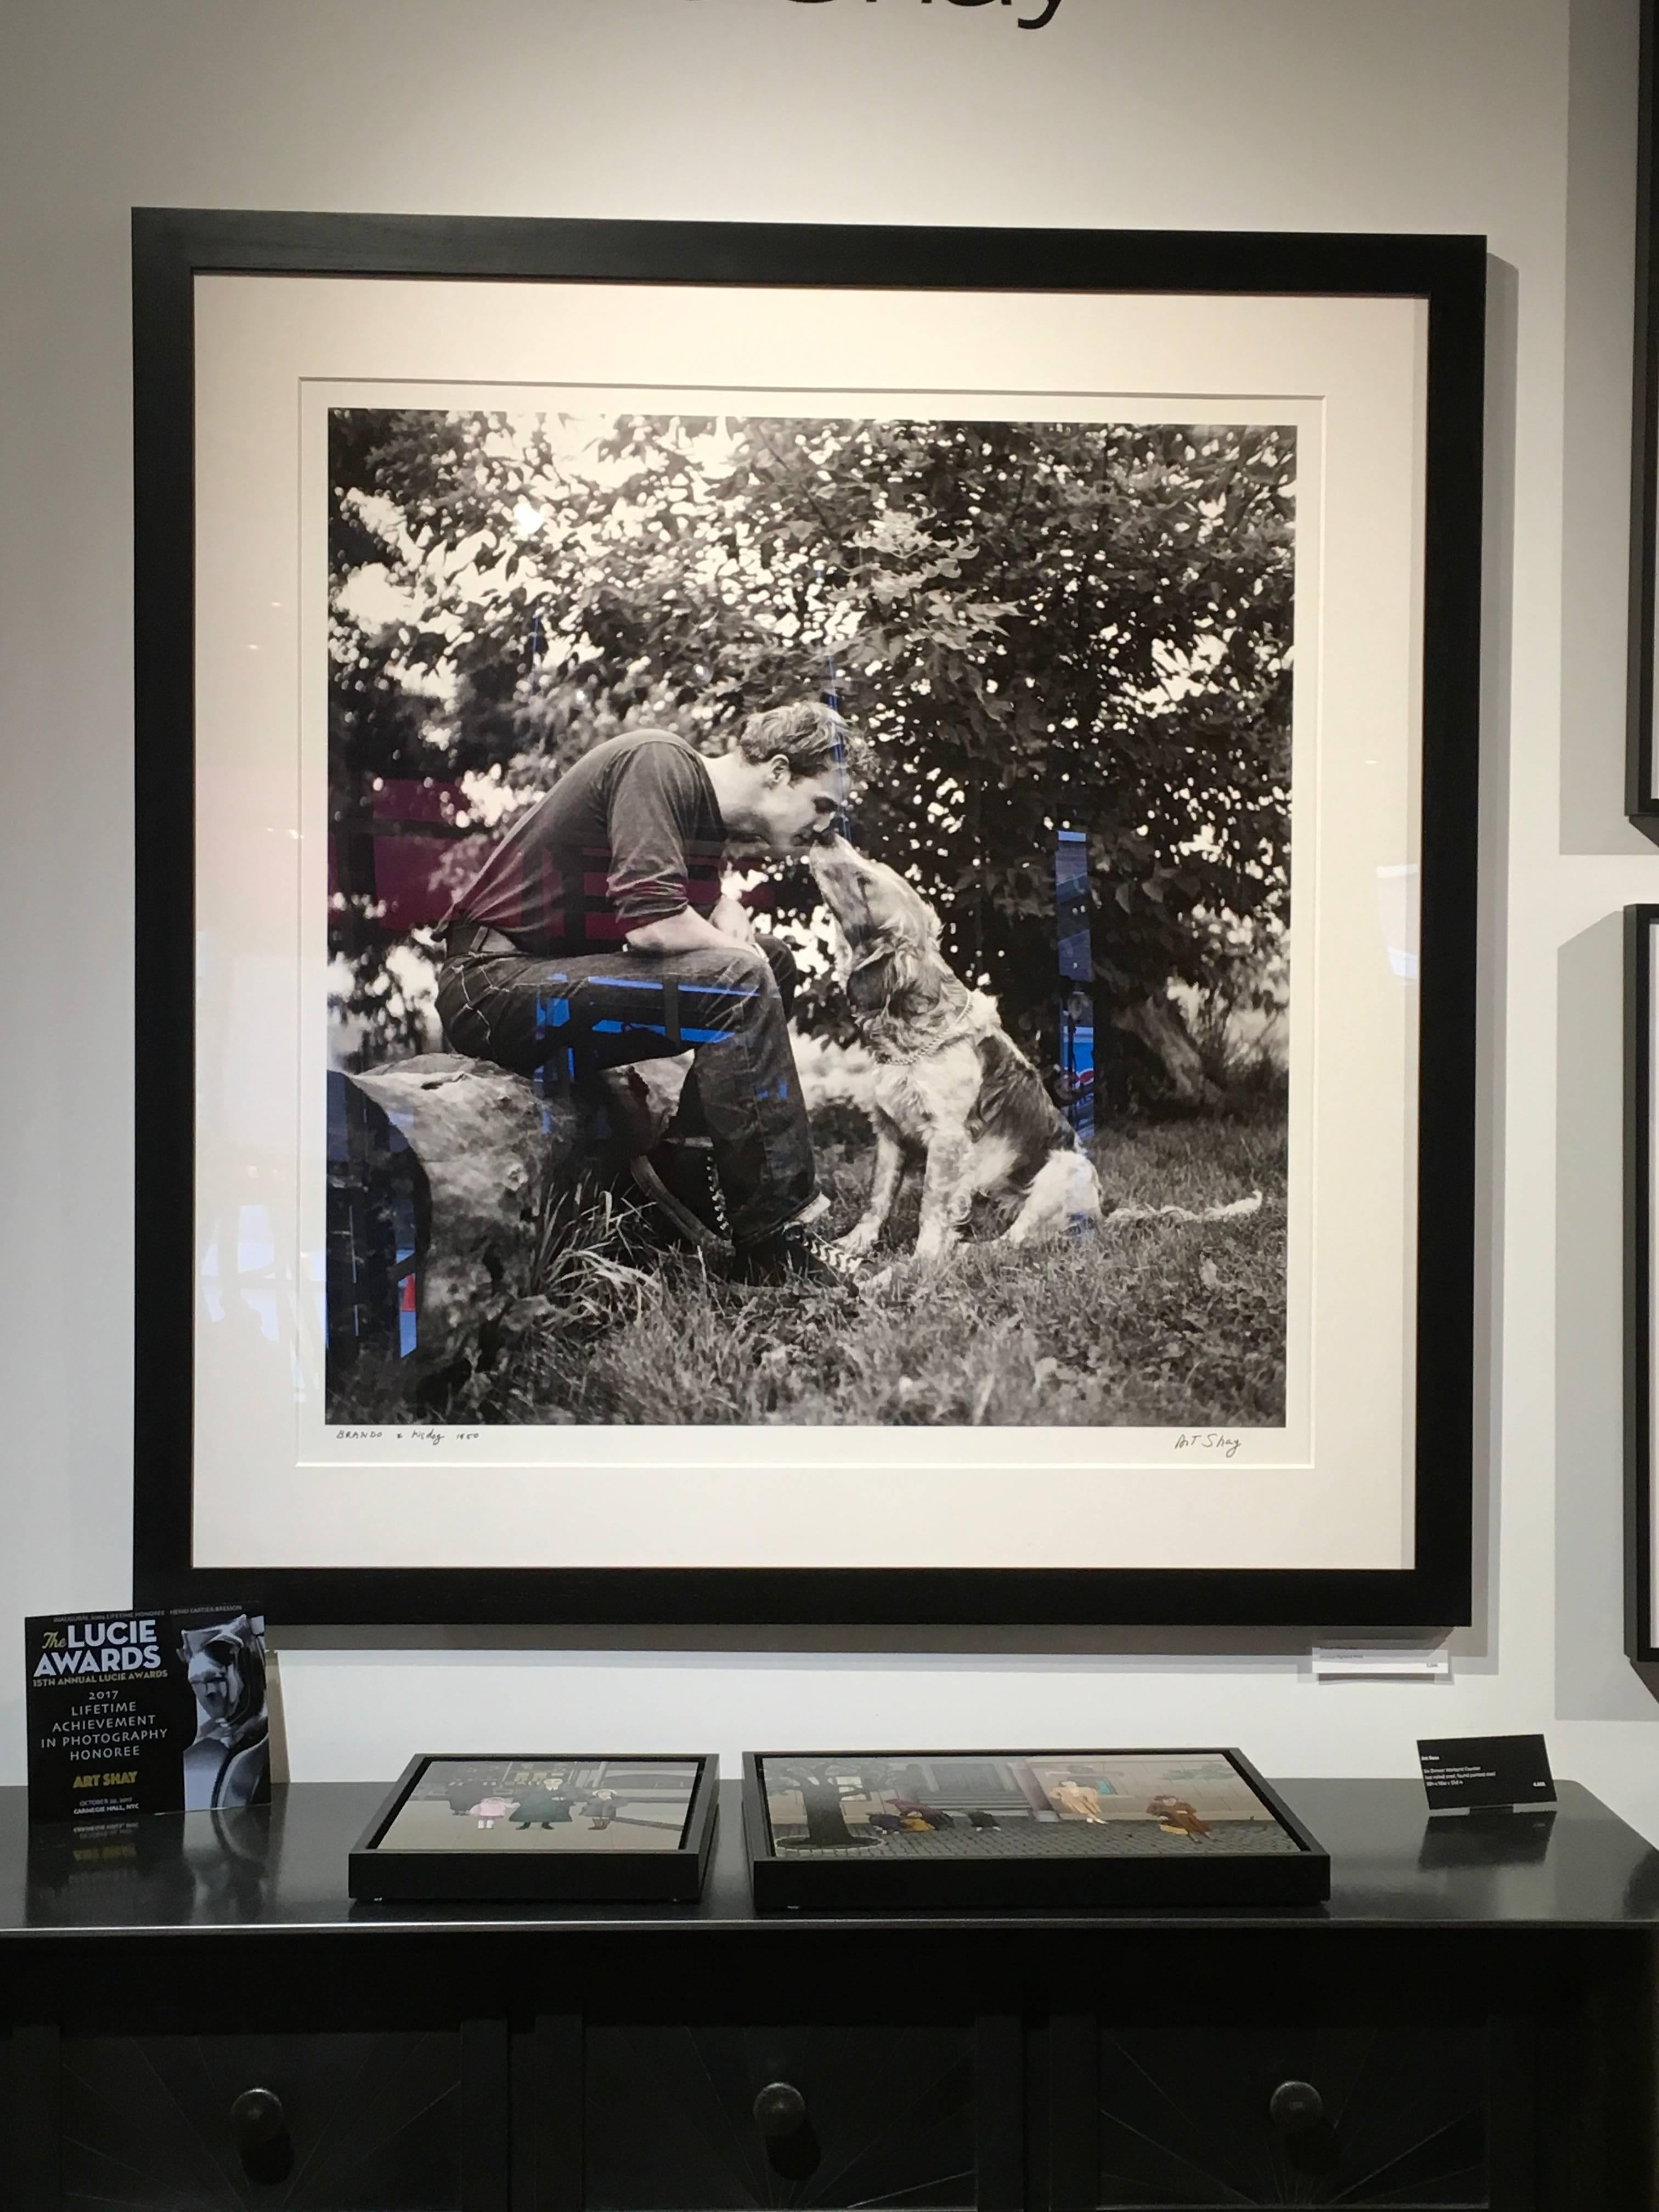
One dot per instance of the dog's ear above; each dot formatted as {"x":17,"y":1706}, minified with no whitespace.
{"x":901,"y":981}
{"x":925,"y":986}
{"x":870,"y":984}
{"x":917,"y":918}
{"x":840,"y":952}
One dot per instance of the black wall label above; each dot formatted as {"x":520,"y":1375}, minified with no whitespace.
{"x":1486,"y":1772}
{"x":1050,"y":9}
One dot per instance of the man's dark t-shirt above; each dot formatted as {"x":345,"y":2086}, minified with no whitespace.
{"x":630,"y":834}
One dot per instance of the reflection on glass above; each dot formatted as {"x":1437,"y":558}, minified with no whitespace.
{"x":1398,"y":892}
{"x":1105,"y":1804}
{"x":372,"y":1283}
{"x":561,"y":1805}
{"x":1077,"y":976}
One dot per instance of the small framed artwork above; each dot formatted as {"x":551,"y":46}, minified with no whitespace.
{"x":855,"y":1830}
{"x":806,"y":921}
{"x":473,"y":1827}
{"x":1641,"y":1273}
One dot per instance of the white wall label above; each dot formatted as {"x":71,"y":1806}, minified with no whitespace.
{"x":1381,"y":1663}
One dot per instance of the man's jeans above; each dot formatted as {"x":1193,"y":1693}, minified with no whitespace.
{"x":726,"y":1005}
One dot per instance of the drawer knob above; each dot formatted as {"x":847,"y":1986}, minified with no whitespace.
{"x":1296,"y":2108}
{"x":262,"y":2141}
{"x":780,"y":2111}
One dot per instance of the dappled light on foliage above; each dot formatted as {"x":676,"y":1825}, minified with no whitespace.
{"x":1037,"y":625}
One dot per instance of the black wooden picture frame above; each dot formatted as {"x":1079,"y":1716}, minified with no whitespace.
{"x":1641,"y":923}
{"x":1641,"y":766}
{"x":171,"y":249}
{"x":482,"y":1876}
{"x":853,"y":1882}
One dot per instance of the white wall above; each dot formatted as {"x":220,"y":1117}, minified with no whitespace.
{"x":1511,"y":117}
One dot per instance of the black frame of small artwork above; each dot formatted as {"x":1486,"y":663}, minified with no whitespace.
{"x":785,"y":1883}
{"x":1640,"y":924}
{"x":171,"y":248}
{"x":1641,"y":768}
{"x":553,"y":1877}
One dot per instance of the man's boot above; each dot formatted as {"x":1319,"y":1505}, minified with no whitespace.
{"x":796,"y":1254}
{"x":678,"y":1176}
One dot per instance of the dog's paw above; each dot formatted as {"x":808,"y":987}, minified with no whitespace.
{"x":859,"y":1240}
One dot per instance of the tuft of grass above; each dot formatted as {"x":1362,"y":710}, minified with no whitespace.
{"x":524,"y":1362}
{"x":520,"y":1359}
{"x":1238,"y":1056}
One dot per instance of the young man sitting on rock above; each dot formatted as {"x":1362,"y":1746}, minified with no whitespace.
{"x":598,"y":929}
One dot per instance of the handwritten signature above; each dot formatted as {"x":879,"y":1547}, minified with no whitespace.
{"x":1207,"y":1440}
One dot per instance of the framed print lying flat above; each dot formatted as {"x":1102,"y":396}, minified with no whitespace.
{"x":941,"y":1830}
{"x":472,"y":1826}
{"x":806,"y":921}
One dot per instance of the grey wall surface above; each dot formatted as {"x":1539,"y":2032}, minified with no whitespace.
{"x":1514,"y":118}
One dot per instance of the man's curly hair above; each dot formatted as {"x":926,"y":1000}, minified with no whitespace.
{"x":806,"y":733}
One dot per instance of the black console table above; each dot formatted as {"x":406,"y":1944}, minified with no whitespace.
{"x":192,"y":2016}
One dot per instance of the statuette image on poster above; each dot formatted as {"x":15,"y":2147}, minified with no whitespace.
{"x":795,"y":981}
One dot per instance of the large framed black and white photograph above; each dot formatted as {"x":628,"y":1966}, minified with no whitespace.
{"x":806,"y":917}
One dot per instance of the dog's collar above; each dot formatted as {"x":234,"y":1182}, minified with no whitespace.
{"x":901,"y":1056}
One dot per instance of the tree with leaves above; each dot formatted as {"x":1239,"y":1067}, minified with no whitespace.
{"x":1039,"y":626}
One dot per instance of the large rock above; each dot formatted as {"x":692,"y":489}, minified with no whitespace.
{"x":442,"y":1171}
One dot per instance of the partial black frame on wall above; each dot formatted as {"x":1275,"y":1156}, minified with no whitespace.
{"x":1641,"y":795}
{"x":171,"y":248}
{"x":1640,"y":925}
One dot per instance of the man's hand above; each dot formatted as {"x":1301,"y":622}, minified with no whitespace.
{"x":731,"y":918}
{"x":684,"y":932}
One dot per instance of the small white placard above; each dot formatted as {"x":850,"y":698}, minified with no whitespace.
{"x":1395,"y":1663}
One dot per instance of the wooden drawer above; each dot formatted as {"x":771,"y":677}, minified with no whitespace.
{"x":712,"y":2116}
{"x":1184,"y":2106}
{"x":324,"y":2123}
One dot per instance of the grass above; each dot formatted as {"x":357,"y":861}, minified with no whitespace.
{"x":1151,"y":1323}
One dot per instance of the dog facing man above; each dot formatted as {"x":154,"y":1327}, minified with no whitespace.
{"x":598,"y":933}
